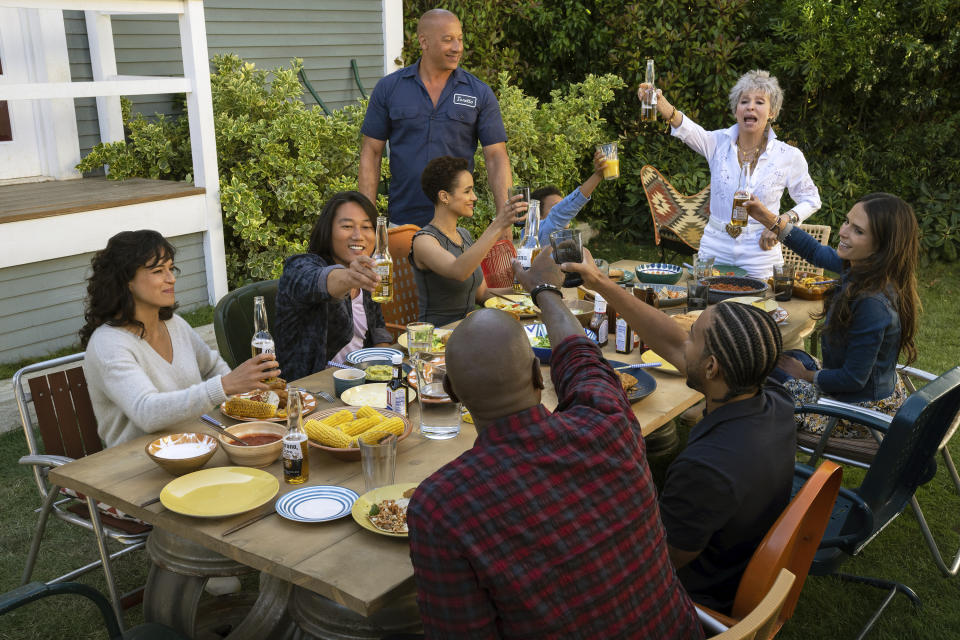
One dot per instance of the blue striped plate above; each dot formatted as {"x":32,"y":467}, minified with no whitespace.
{"x":316,"y":504}
{"x":373,"y":354}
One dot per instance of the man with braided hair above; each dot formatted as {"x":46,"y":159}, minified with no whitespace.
{"x":734,"y":478}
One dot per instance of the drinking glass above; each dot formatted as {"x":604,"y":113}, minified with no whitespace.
{"x":419,"y":337}
{"x":520,"y":190}
{"x":702,"y":267}
{"x":697,"y":292}
{"x":439,"y":415}
{"x":783,"y":282}
{"x":612,"y":169}
{"x":568,"y":247}
{"x":378,"y":460}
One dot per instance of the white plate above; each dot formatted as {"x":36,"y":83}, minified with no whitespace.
{"x":373,"y":395}
{"x":316,"y":504}
{"x":373,"y":354}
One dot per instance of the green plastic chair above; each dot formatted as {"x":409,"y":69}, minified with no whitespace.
{"x":233,"y":319}
{"x":36,"y":590}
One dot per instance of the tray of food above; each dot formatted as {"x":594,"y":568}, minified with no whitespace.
{"x":807,"y":285}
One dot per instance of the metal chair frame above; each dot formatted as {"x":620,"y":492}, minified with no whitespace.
{"x":54,"y":501}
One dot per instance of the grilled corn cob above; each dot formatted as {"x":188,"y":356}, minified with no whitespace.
{"x":356,"y":427}
{"x":338,"y":418}
{"x":368,"y":412}
{"x":247,"y":408}
{"x":326,"y":435}
{"x":390,"y":425}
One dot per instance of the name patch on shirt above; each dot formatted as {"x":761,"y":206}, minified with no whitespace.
{"x":464,"y":100}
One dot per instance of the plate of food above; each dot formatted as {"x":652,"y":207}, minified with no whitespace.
{"x":649,"y":356}
{"x":728,"y":270}
{"x":384,"y":510}
{"x":519,"y":305}
{"x":670,"y":295}
{"x":219,"y":492}
{"x":806,"y":286}
{"x":316,"y":504}
{"x":723,"y":287}
{"x":636,"y":383}
{"x":440,"y":337}
{"x":264,"y":405}
{"x":336,"y":430}
{"x":620,"y":276}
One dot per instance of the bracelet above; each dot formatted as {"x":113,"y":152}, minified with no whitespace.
{"x":672,"y":113}
{"x":775,"y":228}
{"x":540,"y":288}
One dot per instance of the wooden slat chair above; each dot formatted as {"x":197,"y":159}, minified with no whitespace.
{"x":404,"y":308}
{"x":819,"y":231}
{"x":860,"y":453}
{"x":233,"y":319}
{"x":68,"y":430}
{"x":763,"y":620}
{"x":790,"y":544}
{"x":678,"y":220}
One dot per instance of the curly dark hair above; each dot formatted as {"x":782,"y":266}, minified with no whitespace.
{"x":441,"y":174}
{"x":321,"y":242}
{"x":890,"y":271}
{"x":109,"y":300}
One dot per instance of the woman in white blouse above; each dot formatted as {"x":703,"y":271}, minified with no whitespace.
{"x":755,"y":101}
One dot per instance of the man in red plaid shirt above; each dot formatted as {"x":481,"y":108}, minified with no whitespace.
{"x":548,"y":527}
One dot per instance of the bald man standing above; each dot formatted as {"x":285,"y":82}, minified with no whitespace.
{"x":430,"y":109}
{"x":734,"y":478}
{"x":548,"y":526}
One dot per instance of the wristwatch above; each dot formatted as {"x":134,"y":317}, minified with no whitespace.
{"x":793,"y":217}
{"x":540,"y":288}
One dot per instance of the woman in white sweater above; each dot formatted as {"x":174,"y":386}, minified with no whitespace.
{"x":146,"y":369}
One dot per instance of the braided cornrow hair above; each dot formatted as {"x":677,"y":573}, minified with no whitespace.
{"x":747,"y":343}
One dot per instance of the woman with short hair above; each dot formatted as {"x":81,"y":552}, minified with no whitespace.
{"x":445,"y":259}
{"x":755,"y":102}
{"x":146,"y":368}
{"x":324,"y":304}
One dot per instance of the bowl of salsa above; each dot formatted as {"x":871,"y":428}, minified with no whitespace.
{"x":264,"y":441}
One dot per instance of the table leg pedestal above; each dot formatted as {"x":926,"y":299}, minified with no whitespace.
{"x":175,"y":587}
{"x":319,"y":617}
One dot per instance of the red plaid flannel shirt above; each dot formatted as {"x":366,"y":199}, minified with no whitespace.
{"x":548,"y":527}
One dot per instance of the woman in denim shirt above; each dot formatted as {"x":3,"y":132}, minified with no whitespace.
{"x":324,"y":308}
{"x":870,"y":319}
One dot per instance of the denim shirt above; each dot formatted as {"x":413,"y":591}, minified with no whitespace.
{"x":859,"y":366}
{"x":312,"y":326}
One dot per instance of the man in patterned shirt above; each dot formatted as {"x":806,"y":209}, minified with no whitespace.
{"x":548,"y":527}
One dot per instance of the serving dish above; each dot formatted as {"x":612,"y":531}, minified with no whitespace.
{"x":352,"y":454}
{"x":659,"y":273}
{"x":261,"y":455}
{"x":181,"y":453}
{"x":810,"y":291}
{"x":750,"y":286}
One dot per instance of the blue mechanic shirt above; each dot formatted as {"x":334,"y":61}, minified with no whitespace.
{"x":402,"y":112}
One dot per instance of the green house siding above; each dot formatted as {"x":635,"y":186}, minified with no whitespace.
{"x":326,"y":35}
{"x":44,"y":308}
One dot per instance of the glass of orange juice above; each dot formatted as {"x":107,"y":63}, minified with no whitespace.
{"x":612,"y":170}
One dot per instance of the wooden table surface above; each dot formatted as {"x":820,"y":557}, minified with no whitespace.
{"x":339,"y":559}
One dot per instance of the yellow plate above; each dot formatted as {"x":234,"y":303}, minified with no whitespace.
{"x":362,"y":506}
{"x":768,"y":305}
{"x":438,"y":346}
{"x":373,"y":395}
{"x":649,"y":356}
{"x":219,"y":492}
{"x":523,"y":309}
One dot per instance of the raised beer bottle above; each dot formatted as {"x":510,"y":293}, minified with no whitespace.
{"x":598,"y":323}
{"x":530,"y":241}
{"x":295,"y":453}
{"x":738,"y":218}
{"x":262,"y":341}
{"x":648,"y":107}
{"x":383,"y":264}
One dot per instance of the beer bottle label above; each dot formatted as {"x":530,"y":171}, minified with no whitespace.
{"x":291,"y":449}
{"x":524,"y":257}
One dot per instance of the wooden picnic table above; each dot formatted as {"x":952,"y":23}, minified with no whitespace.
{"x":313,"y":575}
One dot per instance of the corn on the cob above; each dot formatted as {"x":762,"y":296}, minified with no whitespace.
{"x":368,"y":412}
{"x":246,"y":408}
{"x":326,"y":435}
{"x":338,"y":418}
{"x":360,"y":425}
{"x":390,"y":425}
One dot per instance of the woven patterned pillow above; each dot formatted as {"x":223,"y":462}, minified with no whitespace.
{"x":675,"y":216}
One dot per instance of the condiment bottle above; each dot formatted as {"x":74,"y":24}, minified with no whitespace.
{"x":383,"y":264}
{"x":598,"y":323}
{"x":296,"y":461}
{"x":396,"y":389}
{"x":625,"y":335}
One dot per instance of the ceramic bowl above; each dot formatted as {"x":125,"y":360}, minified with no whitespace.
{"x":659,"y":273}
{"x":181,"y":453}
{"x":254,"y":456}
{"x":582,"y":309}
{"x":756,"y":287}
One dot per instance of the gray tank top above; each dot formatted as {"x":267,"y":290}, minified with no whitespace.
{"x":444,"y":300}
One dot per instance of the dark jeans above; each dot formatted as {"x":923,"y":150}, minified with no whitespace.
{"x":805,"y":359}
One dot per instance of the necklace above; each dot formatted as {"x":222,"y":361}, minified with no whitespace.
{"x":750,"y":157}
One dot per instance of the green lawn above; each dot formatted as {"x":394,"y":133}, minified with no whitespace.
{"x":827,"y":609}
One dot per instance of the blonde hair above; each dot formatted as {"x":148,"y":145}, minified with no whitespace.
{"x":758,"y":80}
